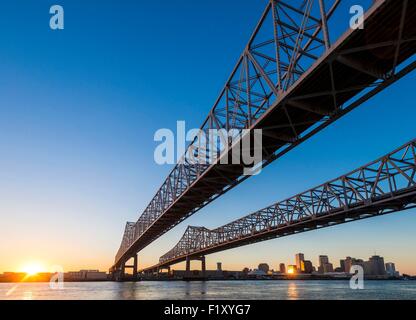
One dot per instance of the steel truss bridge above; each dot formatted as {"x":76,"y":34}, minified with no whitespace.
{"x":384,"y":186}
{"x":294,"y":78}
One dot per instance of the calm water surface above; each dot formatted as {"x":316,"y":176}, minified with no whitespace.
{"x":228,"y":290}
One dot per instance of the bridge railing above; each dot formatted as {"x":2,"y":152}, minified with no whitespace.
{"x":384,"y":178}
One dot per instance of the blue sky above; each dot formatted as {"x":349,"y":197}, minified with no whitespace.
{"x":79,"y":108}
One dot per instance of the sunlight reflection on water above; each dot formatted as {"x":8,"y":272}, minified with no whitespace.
{"x":292,"y":291}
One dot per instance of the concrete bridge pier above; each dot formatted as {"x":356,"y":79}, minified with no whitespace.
{"x":163,"y":268}
{"x":203,"y":266}
{"x":120,"y":273}
{"x":133,"y":267}
{"x":188,"y":265}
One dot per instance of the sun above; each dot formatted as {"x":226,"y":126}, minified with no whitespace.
{"x":32,"y":268}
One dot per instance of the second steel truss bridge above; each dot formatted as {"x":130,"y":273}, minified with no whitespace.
{"x":384,"y":186}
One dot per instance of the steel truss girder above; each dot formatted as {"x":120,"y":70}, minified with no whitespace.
{"x":383,"y":186}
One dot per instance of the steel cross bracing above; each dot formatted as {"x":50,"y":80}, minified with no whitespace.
{"x":291,"y":81}
{"x":383,"y":186}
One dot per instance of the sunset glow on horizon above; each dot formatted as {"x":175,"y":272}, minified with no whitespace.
{"x":33,"y":268}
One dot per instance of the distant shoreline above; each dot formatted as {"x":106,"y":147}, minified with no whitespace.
{"x":263,"y":280}
{"x":45,"y":281}
{"x":211,"y":280}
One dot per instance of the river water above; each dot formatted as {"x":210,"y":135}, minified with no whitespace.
{"x":227,"y":290}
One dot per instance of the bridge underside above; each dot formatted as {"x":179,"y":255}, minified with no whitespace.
{"x":358,"y":66}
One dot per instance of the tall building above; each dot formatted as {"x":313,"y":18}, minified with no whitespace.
{"x":307,"y":267}
{"x":282,"y":268}
{"x":327,"y":268}
{"x":324,"y":265}
{"x":300,"y":257}
{"x":349,"y":262}
{"x":342,"y":265}
{"x":219,"y":266}
{"x":323,"y":260}
{"x":375,"y":266}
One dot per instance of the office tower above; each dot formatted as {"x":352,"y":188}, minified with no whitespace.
{"x":328,"y":268}
{"x":375,"y":266}
{"x":323,"y":260}
{"x":324,"y":265}
{"x":349,"y":262}
{"x":307,"y":267}
{"x":342,"y":266}
{"x":282,"y":268}
{"x":300,"y":257}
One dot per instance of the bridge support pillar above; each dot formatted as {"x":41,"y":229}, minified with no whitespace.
{"x":188,"y":266}
{"x":161,"y":269}
{"x":119,"y":273}
{"x":203,"y":266}
{"x":123,"y":271}
{"x":135,"y":264}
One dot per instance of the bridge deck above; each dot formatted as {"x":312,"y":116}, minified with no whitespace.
{"x":360,"y":64}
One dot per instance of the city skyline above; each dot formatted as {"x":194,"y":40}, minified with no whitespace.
{"x":315,"y":267}
{"x":376,"y":265}
{"x":78,"y":145}
{"x":316,"y":263}
{"x":344,"y":266}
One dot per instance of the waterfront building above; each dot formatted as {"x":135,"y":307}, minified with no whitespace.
{"x":375,"y":266}
{"x":257,"y":273}
{"x":307,"y":267}
{"x":349,"y":262}
{"x":324,"y":265}
{"x":264,"y":267}
{"x":209,"y":274}
{"x":391,"y":270}
{"x":326,"y":268}
{"x":86,"y":275}
{"x":291,"y":269}
{"x":342,"y":265}
{"x":282,"y":268}
{"x":300,"y":257}
{"x":323,"y":260}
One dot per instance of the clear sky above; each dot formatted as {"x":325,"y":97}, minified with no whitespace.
{"x":79,"y":108}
